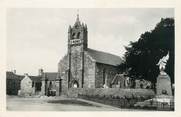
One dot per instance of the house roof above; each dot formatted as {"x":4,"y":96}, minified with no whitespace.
{"x":48,"y":75}
{"x":35,"y":78}
{"x":105,"y":58}
{"x":51,"y":75}
{"x":11,"y":75}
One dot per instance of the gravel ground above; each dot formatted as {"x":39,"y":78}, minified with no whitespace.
{"x":15,"y":103}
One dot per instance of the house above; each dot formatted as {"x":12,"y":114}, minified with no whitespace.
{"x":27,"y":85}
{"x":13,"y":83}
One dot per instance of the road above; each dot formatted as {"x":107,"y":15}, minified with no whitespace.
{"x":15,"y":103}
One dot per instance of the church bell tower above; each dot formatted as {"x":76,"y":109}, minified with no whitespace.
{"x":77,"y":44}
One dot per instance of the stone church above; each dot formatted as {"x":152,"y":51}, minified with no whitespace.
{"x":83,"y":67}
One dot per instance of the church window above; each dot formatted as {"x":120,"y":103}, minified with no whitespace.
{"x":78,"y":34}
{"x":73,"y":35}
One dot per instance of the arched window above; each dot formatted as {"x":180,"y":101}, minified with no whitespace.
{"x":73,"y":36}
{"x":78,"y":35}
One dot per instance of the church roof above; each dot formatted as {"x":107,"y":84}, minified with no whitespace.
{"x":105,"y":58}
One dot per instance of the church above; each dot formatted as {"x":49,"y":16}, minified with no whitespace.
{"x":83,"y":67}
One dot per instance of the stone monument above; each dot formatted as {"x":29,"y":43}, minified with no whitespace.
{"x":163,"y":85}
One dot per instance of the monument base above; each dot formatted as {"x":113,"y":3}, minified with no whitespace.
{"x":163,"y":85}
{"x":165,"y":102}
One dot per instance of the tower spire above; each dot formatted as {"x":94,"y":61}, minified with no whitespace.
{"x":77,"y":15}
{"x":77,"y":22}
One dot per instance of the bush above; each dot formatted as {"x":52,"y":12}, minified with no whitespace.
{"x":114,"y":96}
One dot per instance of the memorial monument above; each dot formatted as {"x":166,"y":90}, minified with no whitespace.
{"x":163,"y":85}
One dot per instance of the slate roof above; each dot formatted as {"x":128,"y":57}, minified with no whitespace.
{"x":105,"y":58}
{"x":11,"y":75}
{"x":51,"y":75}
{"x":35,"y":78}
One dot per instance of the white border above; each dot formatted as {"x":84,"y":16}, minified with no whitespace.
{"x":88,"y":4}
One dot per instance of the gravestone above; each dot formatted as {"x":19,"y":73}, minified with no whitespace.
{"x":163,"y":85}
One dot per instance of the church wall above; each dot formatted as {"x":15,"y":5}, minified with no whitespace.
{"x":63,"y":73}
{"x":89,"y":72}
{"x":76,"y":65}
{"x":106,"y":71}
{"x":64,"y":84}
{"x":63,"y":65}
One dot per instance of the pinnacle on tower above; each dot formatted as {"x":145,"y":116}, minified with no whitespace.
{"x":77,"y":23}
{"x":77,"y":20}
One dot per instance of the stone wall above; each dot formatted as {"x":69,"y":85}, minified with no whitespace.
{"x":63,"y":73}
{"x":64,"y":84}
{"x":76,"y":63}
{"x":63,"y":65}
{"x":115,"y":92}
{"x":107,"y":71}
{"x":89,"y":72}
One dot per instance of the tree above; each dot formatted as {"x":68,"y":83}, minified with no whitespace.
{"x":141,"y":56}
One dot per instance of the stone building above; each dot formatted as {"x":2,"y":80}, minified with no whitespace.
{"x":49,"y":86}
{"x":13,"y":83}
{"x":26,"y":87}
{"x":83,"y":67}
{"x":45,"y":83}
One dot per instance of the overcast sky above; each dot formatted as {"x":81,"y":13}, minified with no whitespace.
{"x":37,"y":38}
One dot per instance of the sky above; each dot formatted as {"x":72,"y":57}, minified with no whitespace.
{"x":37,"y":37}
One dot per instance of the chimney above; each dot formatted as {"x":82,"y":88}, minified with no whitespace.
{"x":40,"y":72}
{"x":25,"y":74}
{"x":14,"y":71}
